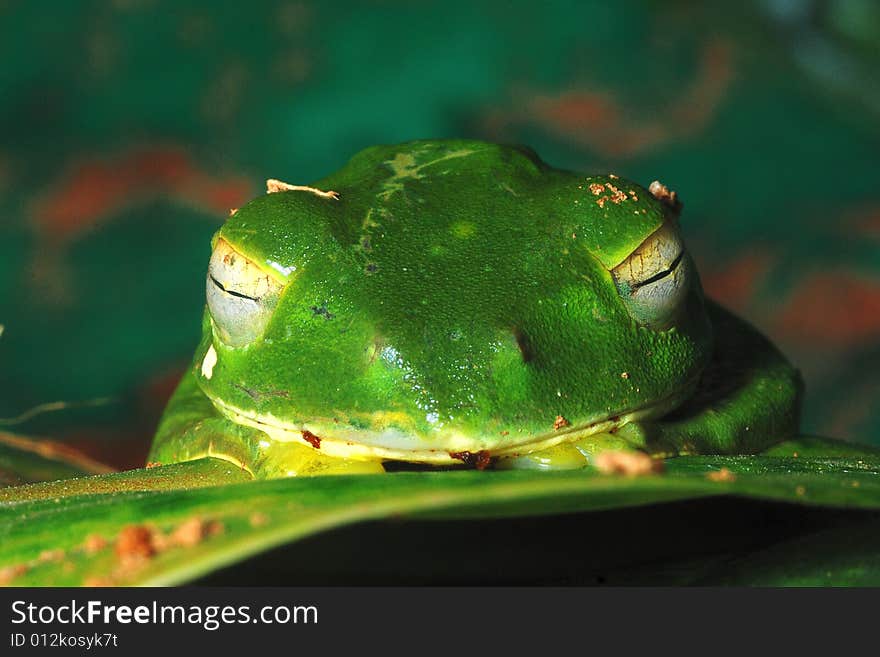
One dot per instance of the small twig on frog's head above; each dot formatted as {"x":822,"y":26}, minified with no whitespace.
{"x":274,"y":186}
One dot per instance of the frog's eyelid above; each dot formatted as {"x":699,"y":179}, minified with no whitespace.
{"x":241,"y":297}
{"x":652,"y":258}
{"x":653,"y":281}
{"x":659,"y":275}
{"x":232,"y":292}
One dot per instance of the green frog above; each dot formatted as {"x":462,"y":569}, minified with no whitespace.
{"x":456,"y":303}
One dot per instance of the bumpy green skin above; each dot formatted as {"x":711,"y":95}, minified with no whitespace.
{"x":459,"y":286}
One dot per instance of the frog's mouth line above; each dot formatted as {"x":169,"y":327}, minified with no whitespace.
{"x":396,"y":445}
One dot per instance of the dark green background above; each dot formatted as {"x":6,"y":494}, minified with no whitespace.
{"x":128,"y":128}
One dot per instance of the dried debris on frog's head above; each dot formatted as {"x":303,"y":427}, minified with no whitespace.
{"x":665,"y":195}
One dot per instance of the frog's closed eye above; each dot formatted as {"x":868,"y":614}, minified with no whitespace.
{"x":654,"y":279}
{"x":241,"y":296}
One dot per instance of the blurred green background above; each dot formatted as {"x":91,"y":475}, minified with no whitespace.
{"x":129,"y":128}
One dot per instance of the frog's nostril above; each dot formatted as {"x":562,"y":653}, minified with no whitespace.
{"x":525,"y":346}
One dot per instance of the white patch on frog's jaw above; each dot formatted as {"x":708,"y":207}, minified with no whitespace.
{"x":274,"y":186}
{"x":208,"y":363}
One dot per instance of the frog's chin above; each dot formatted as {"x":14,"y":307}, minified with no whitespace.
{"x":449,"y":447}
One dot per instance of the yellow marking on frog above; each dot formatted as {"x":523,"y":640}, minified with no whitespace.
{"x":463,"y":229}
{"x":273,"y":186}
{"x":404,"y":166}
{"x":296,"y":460}
{"x":369,"y":222}
{"x":384,"y":419}
{"x":379,"y":420}
{"x":565,"y":456}
{"x":226,"y":457}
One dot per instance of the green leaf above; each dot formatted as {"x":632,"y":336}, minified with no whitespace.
{"x":821,"y":447}
{"x":192,"y":474}
{"x":841,"y":556}
{"x":197,"y":517}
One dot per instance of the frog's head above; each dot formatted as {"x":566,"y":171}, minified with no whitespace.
{"x":455,"y":297}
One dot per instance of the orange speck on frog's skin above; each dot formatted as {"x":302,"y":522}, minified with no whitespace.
{"x":311,"y":439}
{"x":560,"y":422}
{"x":617,"y":195}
